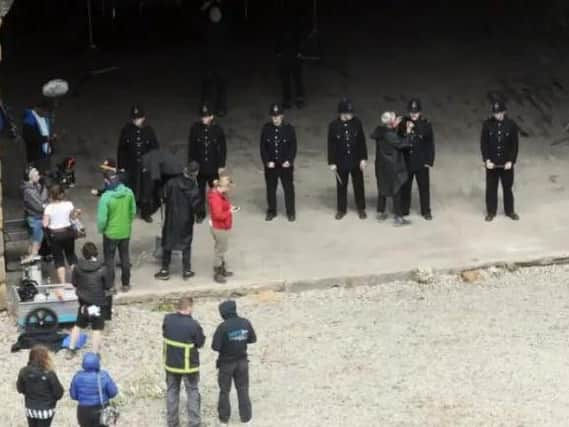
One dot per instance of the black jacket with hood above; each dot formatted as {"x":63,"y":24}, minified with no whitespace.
{"x":232,"y":336}
{"x":40,"y":388}
{"x":91,"y":280}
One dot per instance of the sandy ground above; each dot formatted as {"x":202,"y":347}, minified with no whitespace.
{"x":442,"y":353}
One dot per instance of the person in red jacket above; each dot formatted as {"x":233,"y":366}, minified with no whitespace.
{"x":221,"y":212}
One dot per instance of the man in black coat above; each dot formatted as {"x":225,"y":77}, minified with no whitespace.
{"x":390,"y":168}
{"x":38,"y":137}
{"x":347,"y":155}
{"x":135,"y":141}
{"x":288,"y":55}
{"x":420,"y":158}
{"x":230,"y":341}
{"x":278,"y":151}
{"x":207,"y":147}
{"x":499,"y":148}
{"x":181,"y":196}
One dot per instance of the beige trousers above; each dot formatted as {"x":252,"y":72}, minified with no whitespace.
{"x":221,"y":242}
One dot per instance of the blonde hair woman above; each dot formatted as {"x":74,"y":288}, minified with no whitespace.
{"x":40,"y":386}
{"x":221,"y":212}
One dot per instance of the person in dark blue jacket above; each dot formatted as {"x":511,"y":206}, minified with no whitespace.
{"x":85,"y":389}
{"x":38,"y":137}
{"x":230,"y":341}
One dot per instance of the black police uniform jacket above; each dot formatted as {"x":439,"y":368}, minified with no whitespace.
{"x":231,"y":337}
{"x":422,"y":145}
{"x":206,"y":145}
{"x":346,"y":144}
{"x":181,"y":196}
{"x":390,"y":166}
{"x":499,"y":141}
{"x":182,"y":329}
{"x":278,"y":144}
{"x":135,"y":142}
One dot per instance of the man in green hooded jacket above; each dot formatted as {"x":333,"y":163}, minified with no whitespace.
{"x":115,"y":214}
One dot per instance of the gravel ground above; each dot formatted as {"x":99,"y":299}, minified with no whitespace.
{"x":440,"y":353}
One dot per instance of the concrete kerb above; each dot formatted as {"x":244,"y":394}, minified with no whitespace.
{"x":239,"y":290}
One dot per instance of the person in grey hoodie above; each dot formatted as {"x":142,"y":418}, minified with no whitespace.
{"x":35,"y":200}
{"x":92,"y":282}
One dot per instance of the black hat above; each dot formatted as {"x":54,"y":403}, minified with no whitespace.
{"x":276,"y":110}
{"x":498,"y":106}
{"x":137,"y":112}
{"x":414,"y":105}
{"x":205,"y":111}
{"x":345,"y":106}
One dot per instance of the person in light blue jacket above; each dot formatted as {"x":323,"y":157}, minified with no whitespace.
{"x":85,"y":389}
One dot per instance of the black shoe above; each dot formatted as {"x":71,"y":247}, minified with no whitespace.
{"x":125,"y":288}
{"x":406,"y":213}
{"x":199,"y":219}
{"x":218,"y":275}
{"x":428,"y":217}
{"x":291,"y":217}
{"x":147,"y":218}
{"x":270,"y":216}
{"x":224,"y":271}
{"x":362,"y":214}
{"x":163,"y":274}
{"x":400,"y":221}
{"x":382,"y":216}
{"x":489,"y":217}
{"x":513,"y":216}
{"x":340,"y":215}
{"x":187,"y":274}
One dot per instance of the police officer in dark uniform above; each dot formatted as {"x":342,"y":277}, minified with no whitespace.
{"x":278,"y":151}
{"x":347,"y":155}
{"x":183,"y":336}
{"x":499,"y":147}
{"x":135,"y":141}
{"x":419,"y":158}
{"x":207,"y":147}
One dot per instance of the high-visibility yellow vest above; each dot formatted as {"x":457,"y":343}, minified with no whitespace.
{"x":187,"y":349}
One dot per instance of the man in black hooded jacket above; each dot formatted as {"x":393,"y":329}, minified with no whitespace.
{"x":92,"y":283}
{"x":230,"y":341}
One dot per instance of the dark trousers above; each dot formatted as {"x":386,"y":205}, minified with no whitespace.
{"x":237,"y":372}
{"x":493,"y":176}
{"x":286,"y":176}
{"x":88,"y":416}
{"x":109,"y":250}
{"x":382,"y":204}
{"x":186,"y":258}
{"x":204,"y":180}
{"x":291,"y":73}
{"x":422,"y":177}
{"x":193,"y":402}
{"x":36,"y":422}
{"x":342,"y":188}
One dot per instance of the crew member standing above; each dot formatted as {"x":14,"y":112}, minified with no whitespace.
{"x":207,"y":147}
{"x":135,"y":141}
{"x":38,"y":137}
{"x":230,"y":341}
{"x":278,"y":151}
{"x":183,"y":336}
{"x":347,"y":155}
{"x":419,"y":157}
{"x":499,"y":147}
